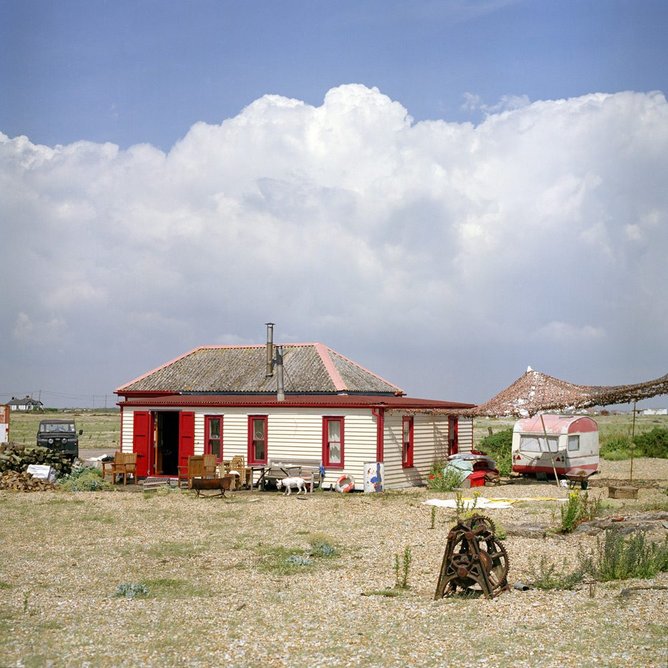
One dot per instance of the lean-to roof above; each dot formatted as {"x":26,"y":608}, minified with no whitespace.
{"x":389,"y":403}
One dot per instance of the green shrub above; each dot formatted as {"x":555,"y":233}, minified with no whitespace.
{"x":84,"y":479}
{"x":616,"y":447}
{"x":653,"y":443}
{"x":498,"y":446}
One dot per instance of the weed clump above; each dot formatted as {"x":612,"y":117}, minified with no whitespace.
{"x":621,"y":558}
{"x":616,"y":557}
{"x":441,"y":479}
{"x":288,"y":561}
{"x":131,"y":590}
{"x":547,"y":576}
{"x":578,"y":509}
{"x":402,"y":567}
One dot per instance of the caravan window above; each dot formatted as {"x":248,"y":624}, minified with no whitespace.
{"x":573,"y":443}
{"x":538,"y":444}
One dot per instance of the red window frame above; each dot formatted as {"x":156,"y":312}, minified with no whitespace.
{"x":208,"y":420}
{"x":327,"y":461}
{"x":407,"y":439}
{"x":252,"y":419}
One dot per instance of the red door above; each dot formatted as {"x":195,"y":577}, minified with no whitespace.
{"x":186,"y":437}
{"x":453,"y":435}
{"x":142,"y":442}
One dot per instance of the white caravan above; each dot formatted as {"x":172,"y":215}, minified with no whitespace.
{"x":565,"y":444}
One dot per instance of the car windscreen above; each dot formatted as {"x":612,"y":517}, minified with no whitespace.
{"x":57,"y":427}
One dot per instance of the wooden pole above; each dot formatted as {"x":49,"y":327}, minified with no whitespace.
{"x":547,"y":445}
{"x":633,"y":433}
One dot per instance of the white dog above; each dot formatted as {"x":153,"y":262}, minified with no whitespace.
{"x":289,"y":483}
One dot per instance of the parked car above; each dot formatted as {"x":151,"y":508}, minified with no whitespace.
{"x":59,"y":435}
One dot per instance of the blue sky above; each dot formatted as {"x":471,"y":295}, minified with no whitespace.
{"x":444,"y":191}
{"x":146,"y":70}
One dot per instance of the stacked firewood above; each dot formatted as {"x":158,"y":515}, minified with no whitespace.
{"x":23,"y":482}
{"x":15,"y":457}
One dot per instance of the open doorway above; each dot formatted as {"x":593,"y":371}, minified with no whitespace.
{"x":166,"y":443}
{"x":453,"y":435}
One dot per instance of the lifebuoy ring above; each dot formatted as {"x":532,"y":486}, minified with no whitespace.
{"x":346,"y":483}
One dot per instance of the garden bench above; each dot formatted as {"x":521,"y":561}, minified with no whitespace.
{"x":309,"y":469}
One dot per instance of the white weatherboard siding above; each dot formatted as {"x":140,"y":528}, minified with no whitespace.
{"x":127,"y":429}
{"x":465,"y":434}
{"x":296,"y":434}
{"x":430,"y":443}
{"x":292,"y":434}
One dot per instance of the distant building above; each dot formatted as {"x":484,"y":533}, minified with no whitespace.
{"x":25,"y":404}
{"x":654,"y":411}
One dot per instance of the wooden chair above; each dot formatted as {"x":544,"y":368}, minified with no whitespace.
{"x":209,"y":466}
{"x":245,"y":474}
{"x":199,"y":466}
{"x":124,"y":464}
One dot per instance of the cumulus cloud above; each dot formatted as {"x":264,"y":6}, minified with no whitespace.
{"x":445,"y":256}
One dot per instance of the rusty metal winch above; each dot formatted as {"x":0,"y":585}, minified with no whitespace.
{"x":475,"y":561}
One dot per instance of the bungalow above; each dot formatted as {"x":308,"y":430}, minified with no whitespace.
{"x":27,"y":403}
{"x":293,"y":402}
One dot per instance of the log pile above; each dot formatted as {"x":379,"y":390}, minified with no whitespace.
{"x":23,"y":482}
{"x":17,"y":458}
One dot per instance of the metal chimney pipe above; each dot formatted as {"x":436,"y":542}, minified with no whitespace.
{"x":280,"y":385}
{"x":270,"y":350}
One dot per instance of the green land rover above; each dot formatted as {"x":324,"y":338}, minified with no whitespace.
{"x":59,"y":435}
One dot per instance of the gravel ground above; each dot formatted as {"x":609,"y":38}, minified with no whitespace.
{"x":218,"y":591}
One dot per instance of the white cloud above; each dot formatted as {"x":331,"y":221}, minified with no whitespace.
{"x":40,"y":333}
{"x":567,"y":333}
{"x":351,"y":224}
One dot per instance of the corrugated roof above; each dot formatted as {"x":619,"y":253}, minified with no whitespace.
{"x":308,"y":368}
{"x":296,"y":401}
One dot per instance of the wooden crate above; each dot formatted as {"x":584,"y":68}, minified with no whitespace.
{"x":625,"y":492}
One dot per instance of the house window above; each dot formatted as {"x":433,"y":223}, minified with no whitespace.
{"x":257,"y":439}
{"x":213,"y":430}
{"x":407,"y":442}
{"x":574,"y":443}
{"x":332,"y":442}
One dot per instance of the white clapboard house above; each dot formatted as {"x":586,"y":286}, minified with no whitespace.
{"x":296,"y":402}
